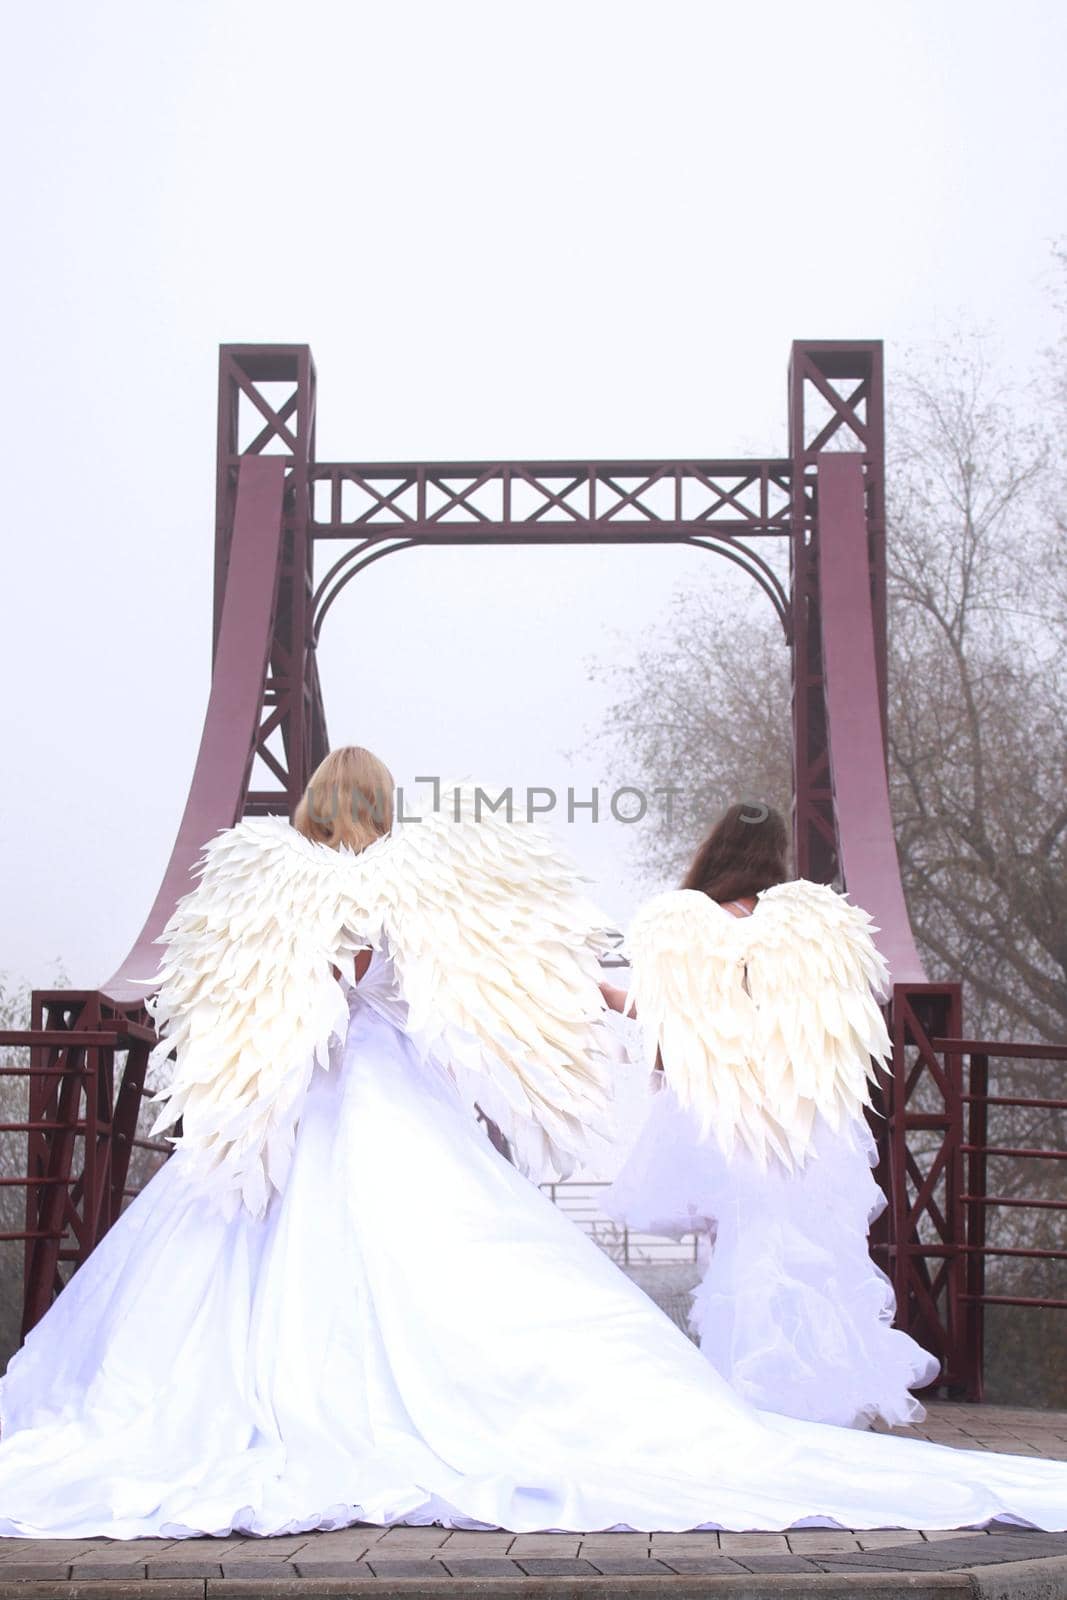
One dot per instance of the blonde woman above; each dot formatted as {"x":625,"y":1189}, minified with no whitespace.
{"x":337,"y":1302}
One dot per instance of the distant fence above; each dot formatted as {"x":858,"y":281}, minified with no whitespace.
{"x":578,"y":1199}
{"x":1014,"y":1198}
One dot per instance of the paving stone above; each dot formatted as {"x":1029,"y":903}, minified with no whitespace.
{"x":737,"y":1543}
{"x":687,"y":1541}
{"x":238,"y":1567}
{"x":480,"y":1567}
{"x":888,"y":1538}
{"x":119,"y":1587}
{"x":404,"y":1567}
{"x":101,"y":1567}
{"x":29,"y":1550}
{"x":42,"y":1571}
{"x":618,"y":1541}
{"x":340,"y":1549}
{"x":717,"y":1565}
{"x":101,"y":1544}
{"x":331,"y":1567}
{"x":760,"y":1564}
{"x":274,"y":1548}
{"x":403,"y":1552}
{"x":1024,"y":1546}
{"x":162,"y":1568}
{"x":814,"y":1541}
{"x":555,"y":1567}
{"x":637,"y":1566}
{"x":346,"y":1538}
{"x":666,"y":1549}
{"x":948,"y":1554}
{"x":478,"y":1544}
{"x":289,"y":1588}
{"x":561,"y":1545}
{"x":195,"y":1549}
{"x":412,"y":1541}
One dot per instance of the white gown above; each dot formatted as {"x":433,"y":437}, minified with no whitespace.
{"x":791,"y":1309}
{"x":414,"y":1333}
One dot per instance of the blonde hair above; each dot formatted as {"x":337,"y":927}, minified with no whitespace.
{"x":349,"y":800}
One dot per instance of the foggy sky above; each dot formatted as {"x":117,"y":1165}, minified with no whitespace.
{"x":540,"y":230}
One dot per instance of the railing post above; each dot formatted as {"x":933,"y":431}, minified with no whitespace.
{"x":926,"y":1241}
{"x":977,"y":1180}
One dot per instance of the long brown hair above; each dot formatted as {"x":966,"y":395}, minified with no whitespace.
{"x":746,"y":851}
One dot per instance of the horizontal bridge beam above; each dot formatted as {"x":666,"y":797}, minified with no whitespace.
{"x":587,"y":498}
{"x":546,"y":531}
{"x":734,"y":467}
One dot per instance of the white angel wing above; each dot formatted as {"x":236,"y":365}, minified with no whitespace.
{"x":814,"y":973}
{"x":496,"y":954}
{"x":762,"y":1022}
{"x":688,"y":959}
{"x":247,"y":1002}
{"x":497,"y":948}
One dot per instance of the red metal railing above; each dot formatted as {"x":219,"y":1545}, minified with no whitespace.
{"x":77,"y":1133}
{"x":977,"y":1203}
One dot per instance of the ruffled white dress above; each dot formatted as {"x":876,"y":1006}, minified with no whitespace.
{"x":414,"y":1333}
{"x":791,"y":1310}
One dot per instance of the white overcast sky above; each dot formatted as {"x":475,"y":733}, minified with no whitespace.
{"x":526,"y":229}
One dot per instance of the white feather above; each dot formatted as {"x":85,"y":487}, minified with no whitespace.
{"x":762,"y":1021}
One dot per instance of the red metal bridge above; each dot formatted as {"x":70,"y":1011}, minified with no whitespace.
{"x":824,"y":500}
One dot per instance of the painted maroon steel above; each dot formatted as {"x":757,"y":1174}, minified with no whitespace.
{"x":65,"y":1037}
{"x":220,"y":776}
{"x":977,"y":1201}
{"x":845,"y":378}
{"x":866,"y":844}
{"x":72,"y":1109}
{"x":292,"y":706}
{"x":724,"y":542}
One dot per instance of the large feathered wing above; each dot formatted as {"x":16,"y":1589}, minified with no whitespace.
{"x":496,"y":954}
{"x":688,"y":982}
{"x":766,"y":1021}
{"x":814,"y":974}
{"x":247,"y":1002}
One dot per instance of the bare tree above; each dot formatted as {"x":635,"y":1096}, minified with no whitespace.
{"x":705,"y":707}
{"x":977,"y":728}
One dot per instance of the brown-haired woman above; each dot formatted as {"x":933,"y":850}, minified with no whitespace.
{"x":791,"y":1309}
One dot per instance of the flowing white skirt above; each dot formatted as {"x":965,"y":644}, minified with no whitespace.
{"x":413,"y":1333}
{"x":791,"y":1310}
